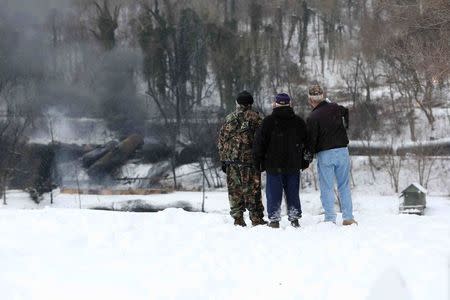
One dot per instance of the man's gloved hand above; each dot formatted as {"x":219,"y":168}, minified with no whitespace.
{"x":305,"y":165}
{"x":224,"y":167}
{"x":260,"y":166}
{"x":306,"y":160}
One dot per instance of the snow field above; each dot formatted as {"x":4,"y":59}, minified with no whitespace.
{"x":83,"y":254}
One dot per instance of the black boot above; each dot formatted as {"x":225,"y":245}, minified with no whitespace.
{"x":274,"y":224}
{"x":239,"y":221}
{"x":259,"y":221}
{"x":295,"y":223}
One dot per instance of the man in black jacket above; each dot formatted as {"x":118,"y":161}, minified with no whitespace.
{"x":278,"y":149}
{"x":327,"y":137}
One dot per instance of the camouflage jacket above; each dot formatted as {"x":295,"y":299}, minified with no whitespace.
{"x":237,"y":134}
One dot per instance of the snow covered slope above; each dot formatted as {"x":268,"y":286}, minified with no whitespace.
{"x":55,"y":253}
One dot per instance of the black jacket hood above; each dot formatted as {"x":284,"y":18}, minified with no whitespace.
{"x":283,"y":112}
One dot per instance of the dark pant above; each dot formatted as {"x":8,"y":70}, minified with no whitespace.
{"x":290,"y":183}
{"x":244,"y":191}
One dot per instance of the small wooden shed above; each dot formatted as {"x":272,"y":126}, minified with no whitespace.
{"x":414,"y":199}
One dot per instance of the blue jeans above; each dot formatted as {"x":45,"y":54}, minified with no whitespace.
{"x":275,"y":185}
{"x":331,"y":164}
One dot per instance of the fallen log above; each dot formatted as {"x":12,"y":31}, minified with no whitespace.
{"x":139,"y":205}
{"x":110,"y":192}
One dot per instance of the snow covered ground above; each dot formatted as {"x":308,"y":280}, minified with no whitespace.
{"x":58,"y":252}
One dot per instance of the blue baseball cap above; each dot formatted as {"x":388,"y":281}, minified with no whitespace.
{"x":282,"y":99}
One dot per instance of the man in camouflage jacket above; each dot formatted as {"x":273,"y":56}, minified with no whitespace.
{"x":235,"y":151}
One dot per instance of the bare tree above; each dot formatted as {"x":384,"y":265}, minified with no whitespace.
{"x":393,"y":165}
{"x":174,"y":46}
{"x":416,"y":44}
{"x":106,"y":23}
{"x":15,"y":112}
{"x":351,"y":78}
{"x":12,"y":147}
{"x":425,"y":163}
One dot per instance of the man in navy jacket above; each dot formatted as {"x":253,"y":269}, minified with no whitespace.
{"x":278,"y":149}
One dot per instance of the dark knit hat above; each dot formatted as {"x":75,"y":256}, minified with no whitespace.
{"x":282,"y":99}
{"x":244,"y":98}
{"x":315,"y":90}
